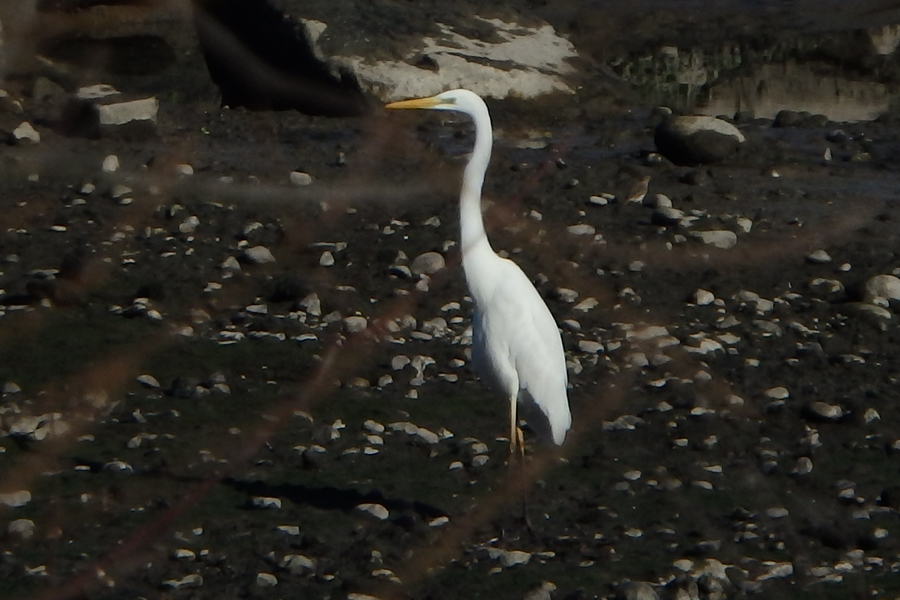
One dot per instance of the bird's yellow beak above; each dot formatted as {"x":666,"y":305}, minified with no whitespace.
{"x":429,"y":102}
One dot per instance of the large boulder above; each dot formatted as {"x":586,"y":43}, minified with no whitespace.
{"x":401,"y":49}
{"x":690,"y":140}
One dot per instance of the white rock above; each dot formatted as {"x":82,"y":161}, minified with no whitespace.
{"x":690,"y":125}
{"x":184,"y":169}
{"x":184,"y":554}
{"x":187,"y":581}
{"x":355,"y":324}
{"x":266,"y":580}
{"x":509,"y":558}
{"x":266,"y":502}
{"x":189,"y":225}
{"x":257,"y":309}
{"x":21,"y":528}
{"x":581,"y":229}
{"x":884,"y":287}
{"x":428,"y":263}
{"x":744,"y":223}
{"x":777,"y":393}
{"x":373,"y":426}
{"x":231,"y":264}
{"x":826,"y":287}
{"x":26,"y":131}
{"x":683,"y":564}
{"x":590,"y":346}
{"x":259,"y":255}
{"x":586,"y":305}
{"x":657,"y":201}
{"x":110,"y":164}
{"x":95,"y":92}
{"x":643,"y":334}
{"x":148,"y":381}
{"x":399,"y":362}
{"x":703,"y":297}
{"x":777,"y":571}
{"x":327,"y":259}
{"x":877,"y":313}
{"x":567,"y":295}
{"x":376,"y":510}
{"x":828,"y":412}
{"x":666,"y":215}
{"x":819,"y":257}
{"x":516,"y":60}
{"x":719,"y":238}
{"x":119,"y":190}
{"x":312,"y":304}
{"x":33,"y":427}
{"x":300,"y":178}
{"x":298,"y":564}
{"x":120,"y":113}
{"x":804,"y":466}
{"x":10,"y":387}
{"x":706,"y":346}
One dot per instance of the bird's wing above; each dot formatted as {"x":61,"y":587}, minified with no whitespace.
{"x":520,"y":333}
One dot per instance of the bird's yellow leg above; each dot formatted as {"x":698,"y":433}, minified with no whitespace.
{"x":520,"y":439}
{"x":513,"y":427}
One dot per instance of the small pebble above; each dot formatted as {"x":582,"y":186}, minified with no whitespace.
{"x":703,"y":297}
{"x":376,"y":510}
{"x":21,"y":528}
{"x":110,"y":164}
{"x":148,"y":381}
{"x":819,"y":257}
{"x":259,"y":255}
{"x":428,"y":263}
{"x":26,"y":131}
{"x":581,"y":229}
{"x":300,"y":179}
{"x":777,"y":393}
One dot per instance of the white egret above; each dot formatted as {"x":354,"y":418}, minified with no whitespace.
{"x":516,"y":345}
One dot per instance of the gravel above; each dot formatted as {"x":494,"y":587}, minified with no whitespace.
{"x":310,"y":428}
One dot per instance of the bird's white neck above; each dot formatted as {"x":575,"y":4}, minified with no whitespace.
{"x":472,"y":234}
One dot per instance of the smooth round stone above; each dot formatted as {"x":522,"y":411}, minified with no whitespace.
{"x":819,"y":257}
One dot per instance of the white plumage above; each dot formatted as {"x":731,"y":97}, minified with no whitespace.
{"x":516,"y":345}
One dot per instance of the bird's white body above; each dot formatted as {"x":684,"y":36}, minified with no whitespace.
{"x":516,"y":345}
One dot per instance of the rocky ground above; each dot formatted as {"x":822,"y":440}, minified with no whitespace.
{"x":234,"y":365}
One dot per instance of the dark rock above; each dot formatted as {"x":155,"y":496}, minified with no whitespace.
{"x":287,"y":288}
{"x":666,"y":215}
{"x":788,"y":118}
{"x":696,"y":177}
{"x":697,"y":140}
{"x":263,"y":61}
{"x":184,"y":388}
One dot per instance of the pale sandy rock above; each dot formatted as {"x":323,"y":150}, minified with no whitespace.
{"x":376,"y":510}
{"x":120,"y":113}
{"x":27,"y":133}
{"x":428,"y":263}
